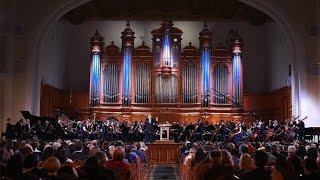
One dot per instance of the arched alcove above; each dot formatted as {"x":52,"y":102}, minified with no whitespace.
{"x":286,"y":24}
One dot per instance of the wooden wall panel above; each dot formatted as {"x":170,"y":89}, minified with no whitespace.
{"x":53,"y":98}
{"x":50,"y":100}
{"x":273,"y":105}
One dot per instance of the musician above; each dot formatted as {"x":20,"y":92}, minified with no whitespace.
{"x":124,"y":129}
{"x":301,"y":128}
{"x":149,"y":129}
{"x":81,"y":130}
{"x":9,"y":130}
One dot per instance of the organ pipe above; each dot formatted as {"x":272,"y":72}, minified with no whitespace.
{"x":220,"y":75}
{"x":95,"y":74}
{"x":237,"y":69}
{"x":111,"y":81}
{"x":142,"y":87}
{"x":189,"y":83}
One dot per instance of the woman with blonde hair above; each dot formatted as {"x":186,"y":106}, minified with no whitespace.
{"x":246,"y":165}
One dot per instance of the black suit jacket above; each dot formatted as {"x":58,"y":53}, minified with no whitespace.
{"x":149,"y":126}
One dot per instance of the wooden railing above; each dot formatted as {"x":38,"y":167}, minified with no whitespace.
{"x":139,"y":170}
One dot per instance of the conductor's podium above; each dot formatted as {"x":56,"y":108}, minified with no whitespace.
{"x":164,"y":150}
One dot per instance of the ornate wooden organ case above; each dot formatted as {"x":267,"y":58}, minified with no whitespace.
{"x":173,"y":83}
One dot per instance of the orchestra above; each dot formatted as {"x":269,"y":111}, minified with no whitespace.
{"x":114,"y":130}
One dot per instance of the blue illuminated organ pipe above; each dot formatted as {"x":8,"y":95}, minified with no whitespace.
{"x":205,"y":49}
{"x":167,"y":49}
{"x":127,"y":57}
{"x":95,"y":75}
{"x":127,"y":51}
{"x":205,"y":64}
{"x":237,"y":70}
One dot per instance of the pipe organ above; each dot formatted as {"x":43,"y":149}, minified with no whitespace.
{"x":166,"y":79}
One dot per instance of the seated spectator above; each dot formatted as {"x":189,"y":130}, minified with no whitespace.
{"x":51,"y":165}
{"x":260,"y":172}
{"x":283,"y":170}
{"x":93,"y":150}
{"x":93,"y":170}
{"x":142,"y":154}
{"x":245,"y":165}
{"x":111,"y":151}
{"x":221,"y":170}
{"x":271,"y":157}
{"x":190,"y":156}
{"x":199,"y":157}
{"x":295,"y":161}
{"x":14,"y":167}
{"x":67,"y":172}
{"x":77,"y":154}
{"x":311,"y":169}
{"x":311,"y":152}
{"x":122,"y":169}
{"x":129,"y":155}
{"x":102,"y":157}
{"x":48,"y":151}
{"x":30,"y":167}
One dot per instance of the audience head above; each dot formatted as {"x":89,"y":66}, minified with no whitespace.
{"x":283,"y":170}
{"x":67,"y":172}
{"x":200,"y":156}
{"x":310,"y":165}
{"x":226,"y":159}
{"x":93,"y":151}
{"x":260,"y":159}
{"x":118,"y":154}
{"x":291,"y":150}
{"x":246,"y":162}
{"x":30,"y":161}
{"x":243,"y":148}
{"x":102,"y":157}
{"x":91,"y":165}
{"x":311,"y":152}
{"x":128,"y":149}
{"x":51,"y":165}
{"x":215,"y":157}
{"x":78,"y":146}
{"x":14,"y":166}
{"x":111,"y":150}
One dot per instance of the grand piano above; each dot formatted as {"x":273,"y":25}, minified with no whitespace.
{"x":312,"y":134}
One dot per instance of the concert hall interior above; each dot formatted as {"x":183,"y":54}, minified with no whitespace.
{"x":152,"y":67}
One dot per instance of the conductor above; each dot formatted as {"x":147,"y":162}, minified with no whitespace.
{"x":149,"y":129}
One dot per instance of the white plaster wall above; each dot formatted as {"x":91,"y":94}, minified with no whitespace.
{"x":279,"y":54}
{"x":53,"y":55}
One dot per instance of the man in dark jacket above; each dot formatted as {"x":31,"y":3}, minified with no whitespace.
{"x":149,"y":129}
{"x":260,"y":172}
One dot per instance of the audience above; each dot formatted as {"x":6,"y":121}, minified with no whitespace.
{"x":205,"y":159}
{"x":311,"y":169}
{"x":283,"y":170}
{"x":121,"y":168}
